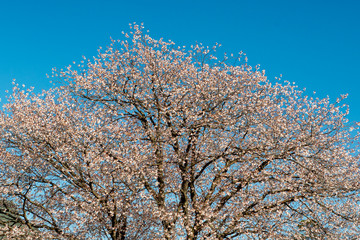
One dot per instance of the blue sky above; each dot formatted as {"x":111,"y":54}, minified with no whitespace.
{"x":315,"y":44}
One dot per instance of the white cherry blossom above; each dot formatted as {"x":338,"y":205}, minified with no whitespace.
{"x":151,"y":141}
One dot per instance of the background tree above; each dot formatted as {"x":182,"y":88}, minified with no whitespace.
{"x":151,"y":141}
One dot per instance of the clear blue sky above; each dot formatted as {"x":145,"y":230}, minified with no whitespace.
{"x":315,"y":44}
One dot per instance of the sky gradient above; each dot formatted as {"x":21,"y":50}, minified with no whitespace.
{"x":315,"y":44}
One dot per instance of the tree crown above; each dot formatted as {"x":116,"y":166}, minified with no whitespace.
{"x":153,"y":141}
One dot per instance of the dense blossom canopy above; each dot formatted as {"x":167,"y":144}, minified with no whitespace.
{"x":152,"y":141}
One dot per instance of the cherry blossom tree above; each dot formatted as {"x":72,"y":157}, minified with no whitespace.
{"x":153,"y":141}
